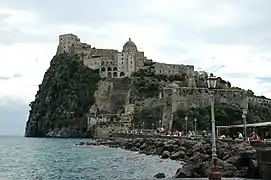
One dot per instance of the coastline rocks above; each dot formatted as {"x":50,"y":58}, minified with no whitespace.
{"x":234,"y":158}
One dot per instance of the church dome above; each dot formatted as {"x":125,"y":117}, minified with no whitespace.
{"x":129,"y":46}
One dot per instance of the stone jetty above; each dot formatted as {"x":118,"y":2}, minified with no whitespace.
{"x":234,"y":158}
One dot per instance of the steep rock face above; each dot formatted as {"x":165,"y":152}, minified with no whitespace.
{"x":63,"y":100}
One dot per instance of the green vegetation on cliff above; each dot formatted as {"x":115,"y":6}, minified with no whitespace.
{"x":63,"y":99}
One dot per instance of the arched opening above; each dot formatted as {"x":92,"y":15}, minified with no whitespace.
{"x":102,"y":69}
{"x":115,"y":69}
{"x":109,"y":75}
{"x":115,"y":74}
{"x":122,"y":74}
{"x":109,"y":69}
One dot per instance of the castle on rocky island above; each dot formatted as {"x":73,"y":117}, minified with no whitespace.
{"x":114,"y":64}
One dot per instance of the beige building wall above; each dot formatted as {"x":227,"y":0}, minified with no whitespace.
{"x":131,"y":66}
{"x":67,"y":41}
{"x":105,"y":54}
{"x":93,"y":63}
{"x":172,"y":69}
{"x":122,"y":64}
{"x":109,"y":69}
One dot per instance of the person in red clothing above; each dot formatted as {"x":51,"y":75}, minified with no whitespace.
{"x":255,"y":137}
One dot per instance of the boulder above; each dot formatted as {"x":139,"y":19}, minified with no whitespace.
{"x":129,"y":145}
{"x":159,"y":175}
{"x":143,"y":146}
{"x":165,"y":154}
{"x":168,"y":147}
{"x":253,"y":169}
{"x":187,"y":171}
{"x":198,"y":158}
{"x":177,"y":155}
{"x":81,"y":143}
{"x":134,"y":148}
{"x":232,"y":160}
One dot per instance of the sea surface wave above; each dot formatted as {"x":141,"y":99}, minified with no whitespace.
{"x":48,"y":159}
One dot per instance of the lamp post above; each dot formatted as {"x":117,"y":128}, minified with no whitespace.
{"x":186,"y":118}
{"x":245,"y":123}
{"x":214,"y":174}
{"x":171,"y":122}
{"x":195,"y":120}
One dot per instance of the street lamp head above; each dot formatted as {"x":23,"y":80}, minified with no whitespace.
{"x":195,"y":120}
{"x":212,"y":81}
{"x":186,"y":118}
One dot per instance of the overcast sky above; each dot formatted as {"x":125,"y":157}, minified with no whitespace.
{"x":231,"y":38}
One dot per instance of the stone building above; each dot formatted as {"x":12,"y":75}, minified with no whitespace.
{"x":115,"y":64}
{"x":172,"y":69}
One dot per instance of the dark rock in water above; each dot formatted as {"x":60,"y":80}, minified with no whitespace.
{"x":81,"y":143}
{"x":89,"y":143}
{"x":134,"y":148}
{"x":159,"y":175}
{"x":166,"y":154}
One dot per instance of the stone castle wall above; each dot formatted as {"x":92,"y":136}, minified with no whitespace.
{"x":186,"y":98}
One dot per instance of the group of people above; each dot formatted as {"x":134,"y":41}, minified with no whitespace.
{"x":166,"y":132}
{"x":253,"y":137}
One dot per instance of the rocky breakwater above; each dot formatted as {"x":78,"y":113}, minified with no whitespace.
{"x":234,"y":159}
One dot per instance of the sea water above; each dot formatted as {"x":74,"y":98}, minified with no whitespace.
{"x":48,"y":159}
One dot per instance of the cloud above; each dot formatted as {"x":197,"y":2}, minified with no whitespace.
{"x":8,"y":78}
{"x":4,"y":78}
{"x":17,"y":75}
{"x":230,"y":38}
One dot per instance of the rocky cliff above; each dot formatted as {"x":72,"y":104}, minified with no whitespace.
{"x":63,"y":100}
{"x":73,"y":100}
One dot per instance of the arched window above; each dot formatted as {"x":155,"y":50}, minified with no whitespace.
{"x":102,"y":69}
{"x":109,"y":69}
{"x":109,"y":75}
{"x":122,"y":74}
{"x":115,"y":74}
{"x":115,"y":69}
